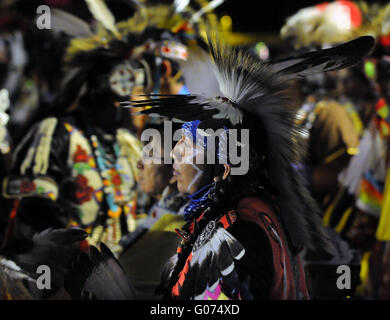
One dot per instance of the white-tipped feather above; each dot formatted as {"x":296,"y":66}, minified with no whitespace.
{"x":62,"y":21}
{"x":212,"y":5}
{"x":14,"y":271}
{"x":102,"y":14}
{"x":239,"y":83}
{"x":180,"y":5}
{"x":226,"y":111}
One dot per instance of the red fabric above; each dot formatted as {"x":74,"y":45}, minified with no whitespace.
{"x":182,"y":276}
{"x":252,"y":210}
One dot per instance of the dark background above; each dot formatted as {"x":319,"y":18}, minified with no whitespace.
{"x":265,"y":16}
{"x":257,"y":16}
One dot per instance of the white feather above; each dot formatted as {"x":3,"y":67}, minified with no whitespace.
{"x":101,"y":13}
{"x":212,"y":5}
{"x":68,"y":23}
{"x":226,"y":111}
{"x":180,"y":5}
{"x":14,"y":271}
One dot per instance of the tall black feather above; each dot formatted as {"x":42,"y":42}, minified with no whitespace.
{"x":342,"y":56}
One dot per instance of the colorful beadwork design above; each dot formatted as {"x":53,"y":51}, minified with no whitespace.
{"x":96,"y":177}
{"x":20,"y":187}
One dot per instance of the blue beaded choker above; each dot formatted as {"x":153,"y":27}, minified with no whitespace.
{"x":199,"y":201}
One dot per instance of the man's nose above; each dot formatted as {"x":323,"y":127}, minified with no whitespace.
{"x":175,"y":153}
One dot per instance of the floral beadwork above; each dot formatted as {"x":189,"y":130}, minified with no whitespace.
{"x":101,"y":177}
{"x":83,"y":190}
{"x":80,"y":155}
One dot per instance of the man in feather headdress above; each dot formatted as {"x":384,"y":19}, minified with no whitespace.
{"x":247,"y":220}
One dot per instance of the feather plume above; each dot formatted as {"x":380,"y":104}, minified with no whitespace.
{"x":13,"y":281}
{"x":55,"y":248}
{"x":13,"y":271}
{"x":62,"y":21}
{"x":342,"y":56}
{"x":180,"y":5}
{"x":215,"y":260}
{"x":210,"y":6}
{"x":99,"y":275}
{"x":103,"y":15}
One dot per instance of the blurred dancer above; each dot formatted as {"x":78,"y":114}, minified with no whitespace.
{"x":77,"y":167}
{"x":329,"y":128}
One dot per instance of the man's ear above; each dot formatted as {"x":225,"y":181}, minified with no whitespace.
{"x":226,"y":172}
{"x":167,"y":69}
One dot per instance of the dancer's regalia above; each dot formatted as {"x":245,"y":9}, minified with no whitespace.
{"x":77,"y":167}
{"x":373,"y":196}
{"x":330,"y":126}
{"x":243,"y":234}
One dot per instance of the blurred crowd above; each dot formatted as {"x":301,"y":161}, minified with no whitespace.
{"x":72,"y":157}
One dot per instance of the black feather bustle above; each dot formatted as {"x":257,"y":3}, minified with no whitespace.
{"x":99,"y":275}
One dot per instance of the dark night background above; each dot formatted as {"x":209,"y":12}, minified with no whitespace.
{"x":265,"y":16}
{"x":257,"y":16}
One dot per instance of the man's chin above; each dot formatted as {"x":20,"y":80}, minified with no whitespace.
{"x":144,"y":188}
